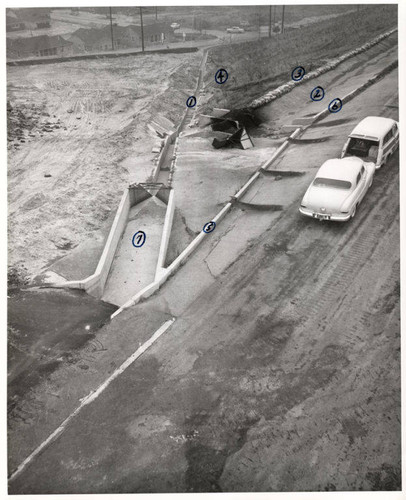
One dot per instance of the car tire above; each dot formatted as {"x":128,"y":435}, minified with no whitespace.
{"x":370,"y":184}
{"x":354,"y":211}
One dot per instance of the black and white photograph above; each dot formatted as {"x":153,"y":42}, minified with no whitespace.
{"x":203,"y":248}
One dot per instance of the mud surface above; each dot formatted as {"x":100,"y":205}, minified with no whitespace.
{"x":47,"y":328}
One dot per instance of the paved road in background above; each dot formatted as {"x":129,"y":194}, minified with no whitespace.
{"x":281,"y":371}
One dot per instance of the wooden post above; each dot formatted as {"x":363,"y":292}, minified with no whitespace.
{"x":142,"y":31}
{"x":283,"y":19}
{"x":111,"y":30}
{"x":270,"y":21}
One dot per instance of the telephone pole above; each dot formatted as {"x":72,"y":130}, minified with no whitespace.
{"x":142,"y":30}
{"x":156,"y":13}
{"x":270,"y":21}
{"x":111,"y":30}
{"x":283,"y":19}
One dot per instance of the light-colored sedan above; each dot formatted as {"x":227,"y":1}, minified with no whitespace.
{"x":175,"y":26}
{"x":338,"y":189}
{"x":235,"y":29}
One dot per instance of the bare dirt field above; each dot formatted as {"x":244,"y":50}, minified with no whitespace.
{"x":77,"y":135}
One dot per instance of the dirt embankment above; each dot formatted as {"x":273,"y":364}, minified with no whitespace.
{"x":259,"y":66}
{"x":71,"y":128}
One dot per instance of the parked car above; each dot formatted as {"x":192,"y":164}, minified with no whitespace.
{"x":337,"y":189}
{"x":235,"y":29}
{"x":373,"y":139}
{"x":175,"y":26}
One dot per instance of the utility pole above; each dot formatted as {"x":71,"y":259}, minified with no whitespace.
{"x":156,"y":13}
{"x":270,"y":21}
{"x":111,"y":30}
{"x":142,"y":31}
{"x":283,"y":19}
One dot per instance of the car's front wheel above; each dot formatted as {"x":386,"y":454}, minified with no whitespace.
{"x":354,"y":211}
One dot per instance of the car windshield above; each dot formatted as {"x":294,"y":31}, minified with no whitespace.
{"x":334,"y":183}
{"x":363,"y":148}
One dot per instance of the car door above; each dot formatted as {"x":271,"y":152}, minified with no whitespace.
{"x":361,"y":185}
{"x":364,"y":182}
{"x":387,"y":145}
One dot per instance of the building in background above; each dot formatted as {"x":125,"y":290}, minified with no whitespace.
{"x":38,"y":46}
{"x":13,"y":22}
{"x":28,"y":19}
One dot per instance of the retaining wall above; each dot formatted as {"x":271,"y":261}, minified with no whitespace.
{"x":166,"y":233}
{"x":94,"y":284}
{"x":162,"y":154}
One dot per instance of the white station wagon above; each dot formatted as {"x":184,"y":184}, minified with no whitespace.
{"x":337,"y":189}
{"x":373,"y":139}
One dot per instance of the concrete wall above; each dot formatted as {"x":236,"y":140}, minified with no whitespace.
{"x":103,"y":268}
{"x":168,"y":141}
{"x":166,"y":233}
{"x":137,"y":195}
{"x":94,"y":284}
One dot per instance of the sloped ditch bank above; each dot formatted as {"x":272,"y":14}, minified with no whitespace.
{"x":46,"y":327}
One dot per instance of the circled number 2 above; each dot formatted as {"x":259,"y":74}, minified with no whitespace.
{"x":139,"y":239}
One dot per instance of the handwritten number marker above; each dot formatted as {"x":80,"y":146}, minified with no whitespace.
{"x":139,"y":239}
{"x":298,"y":73}
{"x":335,"y":105}
{"x":191,"y":101}
{"x":221,"y":76}
{"x":317,"y":94}
{"x":209,"y":227}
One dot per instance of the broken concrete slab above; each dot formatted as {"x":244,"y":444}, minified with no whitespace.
{"x":219,"y":112}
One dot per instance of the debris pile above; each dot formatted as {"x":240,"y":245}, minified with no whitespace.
{"x":232,"y":127}
{"x":26,"y":122}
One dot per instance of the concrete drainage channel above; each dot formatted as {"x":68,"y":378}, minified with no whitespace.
{"x":113,"y":264}
{"x":124,"y":271}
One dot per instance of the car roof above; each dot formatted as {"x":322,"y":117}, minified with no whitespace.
{"x":373,"y":126}
{"x":344,"y":169}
